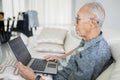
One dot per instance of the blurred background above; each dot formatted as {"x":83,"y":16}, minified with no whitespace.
{"x":60,"y":12}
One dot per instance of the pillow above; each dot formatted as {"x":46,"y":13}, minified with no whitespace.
{"x":47,"y":47}
{"x":115,"y":48}
{"x":52,"y":35}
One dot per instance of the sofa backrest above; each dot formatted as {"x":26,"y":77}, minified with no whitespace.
{"x":115,"y":48}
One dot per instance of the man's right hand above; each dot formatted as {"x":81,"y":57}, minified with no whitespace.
{"x":52,"y":57}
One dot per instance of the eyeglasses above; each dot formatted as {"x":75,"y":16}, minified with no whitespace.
{"x":79,"y":19}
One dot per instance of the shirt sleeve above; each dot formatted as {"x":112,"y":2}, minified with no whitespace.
{"x":85,"y":68}
{"x":63,"y":74}
{"x":78,"y":68}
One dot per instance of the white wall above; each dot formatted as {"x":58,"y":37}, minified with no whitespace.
{"x":112,"y":19}
{"x":112,"y":13}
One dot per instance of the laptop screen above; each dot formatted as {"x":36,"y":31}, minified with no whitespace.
{"x":20,"y":51}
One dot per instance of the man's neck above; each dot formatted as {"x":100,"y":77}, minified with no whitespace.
{"x":92,"y":35}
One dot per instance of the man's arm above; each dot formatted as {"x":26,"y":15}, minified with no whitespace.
{"x":67,"y":54}
{"x":55,"y":57}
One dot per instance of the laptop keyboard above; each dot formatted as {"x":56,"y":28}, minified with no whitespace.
{"x":39,"y":64}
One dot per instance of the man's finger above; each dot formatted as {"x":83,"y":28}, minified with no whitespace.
{"x":21,"y":66}
{"x":18,"y":64}
{"x":46,"y":57}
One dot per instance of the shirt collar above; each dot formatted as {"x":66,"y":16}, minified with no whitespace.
{"x":93,"y":41}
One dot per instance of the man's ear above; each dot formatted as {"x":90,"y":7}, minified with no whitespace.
{"x":93,"y":23}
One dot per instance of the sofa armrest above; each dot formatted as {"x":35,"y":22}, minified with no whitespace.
{"x":115,"y":75}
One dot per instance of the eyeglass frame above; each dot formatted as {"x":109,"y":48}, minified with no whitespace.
{"x":78,"y":19}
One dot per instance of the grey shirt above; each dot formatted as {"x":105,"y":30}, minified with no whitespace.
{"x":88,"y":63}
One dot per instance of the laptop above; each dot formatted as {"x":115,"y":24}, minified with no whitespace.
{"x":22,"y":54}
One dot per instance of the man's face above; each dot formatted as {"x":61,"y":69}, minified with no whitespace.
{"x":83,"y":22}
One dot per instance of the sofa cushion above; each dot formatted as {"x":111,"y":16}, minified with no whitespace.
{"x":52,"y":35}
{"x":47,"y":47}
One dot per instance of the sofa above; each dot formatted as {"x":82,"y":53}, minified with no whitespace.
{"x":71,"y":40}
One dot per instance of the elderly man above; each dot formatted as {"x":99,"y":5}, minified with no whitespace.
{"x":87,"y":63}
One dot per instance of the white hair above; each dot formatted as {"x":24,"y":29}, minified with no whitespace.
{"x":98,"y":11}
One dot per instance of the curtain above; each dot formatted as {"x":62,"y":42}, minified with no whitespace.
{"x":52,"y":12}
{"x":12,"y":7}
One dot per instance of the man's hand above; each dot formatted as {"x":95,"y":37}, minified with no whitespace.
{"x":52,"y":57}
{"x":26,"y":72}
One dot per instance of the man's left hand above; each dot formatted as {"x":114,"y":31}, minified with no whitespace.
{"x":26,"y":72}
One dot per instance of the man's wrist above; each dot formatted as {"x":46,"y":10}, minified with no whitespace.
{"x":63,"y":56}
{"x":38,"y":77}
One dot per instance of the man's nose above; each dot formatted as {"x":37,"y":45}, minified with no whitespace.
{"x":75,"y":24}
